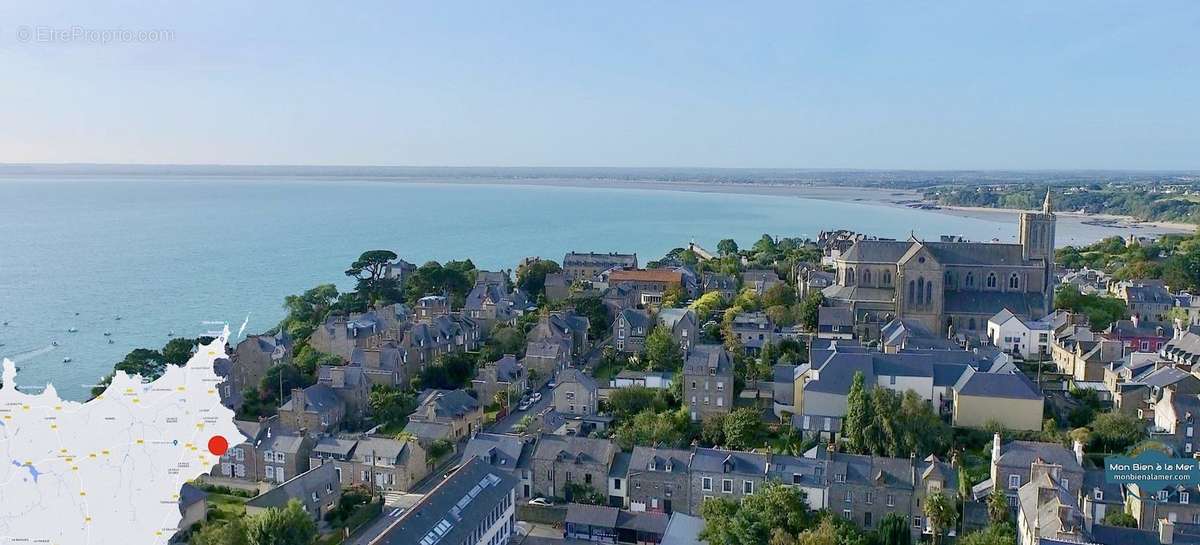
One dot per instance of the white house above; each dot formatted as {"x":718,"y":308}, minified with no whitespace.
{"x":649,"y":379}
{"x":1014,"y":335}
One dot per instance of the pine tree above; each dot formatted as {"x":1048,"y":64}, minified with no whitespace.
{"x":858,"y":416}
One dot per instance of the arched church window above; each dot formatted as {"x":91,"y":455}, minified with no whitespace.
{"x":970,"y":279}
{"x":850,"y":276}
{"x":866,"y":276}
{"x":991,"y":281}
{"x":971,"y":324}
{"x":1014,"y":282}
{"x":887,"y":278}
{"x":929,"y":293}
{"x":912,"y":296}
{"x":921,"y":291}
{"x":949,"y":279}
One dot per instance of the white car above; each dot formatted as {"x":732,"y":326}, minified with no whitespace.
{"x":536,"y":397}
{"x":541,"y":501}
{"x":524,"y":405}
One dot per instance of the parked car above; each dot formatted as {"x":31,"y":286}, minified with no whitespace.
{"x":541,"y":501}
{"x":524,"y":405}
{"x":536,"y":397}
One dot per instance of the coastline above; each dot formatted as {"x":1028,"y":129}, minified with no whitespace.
{"x":897,"y":197}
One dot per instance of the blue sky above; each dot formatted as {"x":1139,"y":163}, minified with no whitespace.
{"x":921,"y":85}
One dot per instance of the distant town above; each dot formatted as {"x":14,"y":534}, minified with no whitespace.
{"x":845,"y":389}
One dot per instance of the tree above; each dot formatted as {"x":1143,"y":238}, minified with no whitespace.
{"x":707,"y":304}
{"x":893,"y":530}
{"x":673,"y":296}
{"x":531,"y":276}
{"x":626,"y":402}
{"x":438,"y":449}
{"x":662,"y":353}
{"x":727,"y":247}
{"x":374,"y":286}
{"x":142,"y":361}
{"x":280,"y":380}
{"x":941,"y":513}
{"x":177,"y":351}
{"x":1114,"y":432}
{"x":712,"y":431}
{"x":651,"y":427}
{"x":450,"y":371}
{"x":1119,"y":518}
{"x":994,"y":534}
{"x":307,"y":310}
{"x":288,"y":526}
{"x":810,"y":308}
{"x":997,"y":506}
{"x":742,"y":429}
{"x":390,"y":405}
{"x":757,"y":517}
{"x":858,"y":416}
{"x":231,"y":532}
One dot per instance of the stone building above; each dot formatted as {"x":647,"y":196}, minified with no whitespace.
{"x":708,"y":382}
{"x":948,"y":284}
{"x":562,"y":459}
{"x":658,"y":480}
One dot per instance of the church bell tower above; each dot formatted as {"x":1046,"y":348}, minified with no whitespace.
{"x":1037,"y":242}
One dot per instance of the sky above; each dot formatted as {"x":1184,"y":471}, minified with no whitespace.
{"x":872,"y":85}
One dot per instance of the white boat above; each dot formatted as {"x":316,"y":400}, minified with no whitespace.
{"x":117,"y":318}
{"x":72,"y":330}
{"x":67,"y":359}
{"x":171,"y":333}
{"x":108,"y":333}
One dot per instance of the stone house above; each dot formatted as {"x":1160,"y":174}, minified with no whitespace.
{"x":708,"y":382}
{"x":683,"y":325}
{"x":255,"y":355}
{"x":507,"y":453}
{"x":759,"y":280}
{"x":1147,"y":300}
{"x":727,"y":474}
{"x":630,"y":330}
{"x":588,"y":266}
{"x":753,"y":330}
{"x":863,"y":489}
{"x":1138,"y":336}
{"x":1175,"y":416}
{"x":273,"y":454}
{"x":648,"y":284}
{"x":1083,"y":354}
{"x":562,"y":459}
{"x":490,"y":302}
{"x":503,"y":375}
{"x":1011,"y":463}
{"x":318,"y":491}
{"x":452,"y":415}
{"x":375,"y":462}
{"x":316,"y":408}
{"x":724,"y":284}
{"x":575,"y":393}
{"x":658,"y":480}
{"x":351,"y":385}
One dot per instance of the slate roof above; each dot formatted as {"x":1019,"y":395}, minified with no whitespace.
{"x":572,"y":375}
{"x":784,"y":468}
{"x":876,"y":251}
{"x":859,"y":293}
{"x":454,"y":508}
{"x":1024,"y":453}
{"x":544,"y":349}
{"x":991,"y":302}
{"x":592,"y":515}
{"x":1165,"y":376}
{"x":645,"y":275}
{"x":620,"y":465}
{"x":671,"y":316}
{"x":590,"y":259}
{"x":976,"y":253}
{"x":428,"y":430}
{"x":711,"y":460}
{"x":315,"y":480}
{"x":683,"y":530}
{"x":1005,"y":385}
{"x":337,"y":446}
{"x":643,"y":457}
{"x":569,"y":448}
{"x":189,"y":495}
{"x":446,"y":403}
{"x":703,"y":357}
{"x":319,"y":398}
{"x":636,"y":318}
{"x":647,"y":522}
{"x":500,"y":450}
{"x":834,"y":317}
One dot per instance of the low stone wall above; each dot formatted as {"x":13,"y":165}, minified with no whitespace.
{"x":553,"y":515}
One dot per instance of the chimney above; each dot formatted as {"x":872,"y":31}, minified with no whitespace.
{"x":995,"y":447}
{"x":298,"y":401}
{"x":1166,"y":531}
{"x":1078,"y":452}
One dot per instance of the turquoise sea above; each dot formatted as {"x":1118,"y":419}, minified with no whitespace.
{"x":176,"y":253}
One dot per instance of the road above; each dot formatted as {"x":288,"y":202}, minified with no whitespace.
{"x":504,"y":425}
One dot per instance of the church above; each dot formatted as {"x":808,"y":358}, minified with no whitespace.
{"x":948,"y":286}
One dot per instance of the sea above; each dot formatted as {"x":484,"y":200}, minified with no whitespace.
{"x":86,"y":259}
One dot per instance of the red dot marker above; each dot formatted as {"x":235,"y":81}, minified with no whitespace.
{"x":218,"y":445}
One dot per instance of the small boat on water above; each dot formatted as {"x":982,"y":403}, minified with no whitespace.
{"x":118,"y":317}
{"x":108,"y":333}
{"x":53,"y":343}
{"x":72,"y":330}
{"x":171,"y":333}
{"x":67,"y":359}
{"x":110,"y":341}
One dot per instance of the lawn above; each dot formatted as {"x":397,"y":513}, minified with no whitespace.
{"x":225,"y":507}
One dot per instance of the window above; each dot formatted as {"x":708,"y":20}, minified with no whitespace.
{"x":706,"y":484}
{"x":887,"y":278}
{"x":1162,"y":495}
{"x":1014,"y":481}
{"x":727,"y":486}
{"x":840,"y":477}
{"x":867,"y":497}
{"x":846,"y":514}
{"x":921,"y":291}
{"x":796,"y":478}
{"x":916,"y":522}
{"x":850,"y":276}
{"x":747,"y":487}
{"x":617,"y":484}
{"x":1183,"y":497}
{"x":991,"y":280}
{"x":270,"y":472}
{"x":1099,"y":494}
{"x":891,"y":500}
{"x":1014,"y":282}
{"x":587,"y":478}
{"x":970,"y":280}
{"x":867,"y":519}
{"x":971,"y":324}
{"x":849,"y":497}
{"x":912,"y":287}
{"x":866,"y":276}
